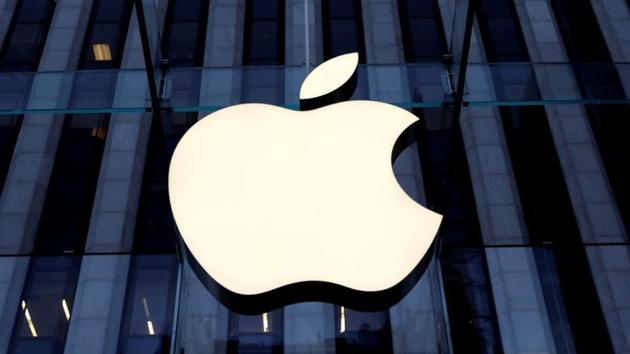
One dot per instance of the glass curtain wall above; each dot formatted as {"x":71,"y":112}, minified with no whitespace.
{"x":26,"y":35}
{"x":163,"y":308}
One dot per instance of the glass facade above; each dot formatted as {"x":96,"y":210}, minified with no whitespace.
{"x":522,"y":146}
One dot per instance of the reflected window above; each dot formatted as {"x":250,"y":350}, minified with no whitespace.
{"x":504,"y":42}
{"x":610,"y":126}
{"x":46,"y":306}
{"x":155,"y":228}
{"x":501,"y":32}
{"x":343,"y":28}
{"x":185,"y":32}
{"x":105,"y":38}
{"x":598,"y":79}
{"x":258,"y":334}
{"x":9,"y":131}
{"x":362,"y":332}
{"x":471,"y":310}
{"x":421,"y":27}
{"x":263,"y":85}
{"x":24,"y":42}
{"x":264,"y":32}
{"x":550,"y":220}
{"x":586,"y":48}
{"x":543,"y":193}
{"x":148,"y":314}
{"x":446,"y":179}
{"x":580,"y":30}
{"x":448,"y":189}
{"x":67,"y":208}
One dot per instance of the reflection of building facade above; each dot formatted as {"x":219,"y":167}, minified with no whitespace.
{"x":530,"y":174}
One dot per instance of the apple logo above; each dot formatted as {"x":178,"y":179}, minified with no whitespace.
{"x":276,"y":206}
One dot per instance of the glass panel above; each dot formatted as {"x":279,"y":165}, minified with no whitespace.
{"x":501,"y":33}
{"x":148,"y":315}
{"x":585,"y":42}
{"x":107,"y":31}
{"x":472,"y":318}
{"x":67,"y":209}
{"x":182,"y":48}
{"x":259,"y":334}
{"x":21,"y":50}
{"x":155,"y":229}
{"x":185,"y":33}
{"x":264,"y":33}
{"x":343,"y":28}
{"x":25,"y":38}
{"x":550,"y":220}
{"x":362,"y":332}
{"x":9,"y":130}
{"x":209,"y":89}
{"x":543,"y":193}
{"x":189,"y":10}
{"x":580,"y":31}
{"x":45,"y":306}
{"x":422,"y":30}
{"x":610,"y":124}
{"x":471,"y":309}
{"x":111,"y":11}
{"x":265,"y":9}
{"x":447,"y":181}
{"x":14,"y":91}
{"x":265,"y":86}
{"x":572,"y":299}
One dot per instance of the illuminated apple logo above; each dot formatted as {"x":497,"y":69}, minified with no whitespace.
{"x":277,"y":206}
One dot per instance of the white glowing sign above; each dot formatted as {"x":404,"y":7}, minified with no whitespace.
{"x":265,"y":196}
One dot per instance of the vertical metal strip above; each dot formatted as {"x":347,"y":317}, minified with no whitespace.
{"x":307,"y":46}
{"x":181,"y":261}
{"x":148,"y":62}
{"x":463,"y":62}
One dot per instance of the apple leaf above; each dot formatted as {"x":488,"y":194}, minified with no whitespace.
{"x":329,"y":76}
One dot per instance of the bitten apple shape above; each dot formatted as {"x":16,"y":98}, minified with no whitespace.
{"x":270,"y":200}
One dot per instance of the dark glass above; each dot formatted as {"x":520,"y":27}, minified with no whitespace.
{"x":9,"y":131}
{"x":587,"y":49}
{"x":471,"y":309}
{"x":447,"y":181}
{"x":264,"y":85}
{"x":264,"y":32}
{"x":110,"y":11}
{"x":501,"y":32}
{"x":504,"y":42}
{"x":342,"y":22}
{"x":155,"y":228}
{"x":362,"y":332}
{"x":346,"y":9}
{"x":148,"y":313}
{"x":24,"y":42}
{"x":543,"y":192}
{"x":550,"y":220}
{"x":610,"y":125}
{"x":265,"y":9}
{"x":598,"y":79}
{"x":42,"y":321}
{"x":448,"y":189}
{"x":259,"y":334}
{"x":421,"y":27}
{"x":514,"y":82}
{"x":105,"y":38}
{"x":67,"y":208}
{"x":185,"y":32}
{"x":580,"y":31}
